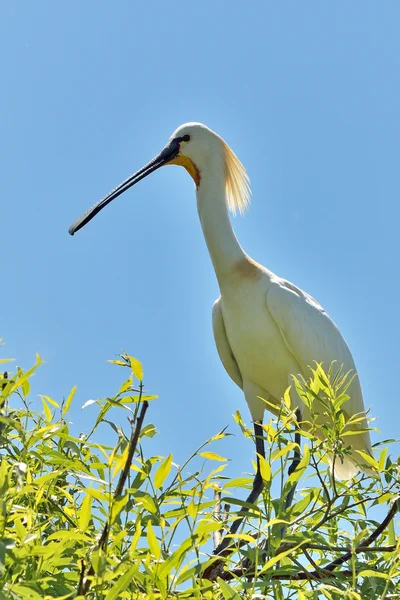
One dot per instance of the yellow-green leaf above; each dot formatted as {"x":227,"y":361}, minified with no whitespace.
{"x":212,"y":456}
{"x":382,"y":459}
{"x":265,"y":469}
{"x":191,"y":509}
{"x":121,"y":461}
{"x":26,"y":388}
{"x":97,"y":494}
{"x":153,"y":542}
{"x":136,"y":367}
{"x":369,"y":459}
{"x":136,"y":536}
{"x":46,"y":409}
{"x":117,"y":506}
{"x":227,"y":592}
{"x":283,"y":451}
{"x":163,"y":472}
{"x":219,"y":436}
{"x":286,"y":397}
{"x":371,"y":573}
{"x":121,"y":584}
{"x":69,"y":400}
{"x":126,"y":385}
{"x":301,"y":467}
{"x":270,"y":563}
{"x":85,"y":512}
{"x":50,"y":401}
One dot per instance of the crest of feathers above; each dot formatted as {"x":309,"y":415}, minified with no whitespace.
{"x":237,"y":182}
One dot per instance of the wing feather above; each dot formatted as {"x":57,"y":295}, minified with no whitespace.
{"x":223,"y":347}
{"x":311,"y":336}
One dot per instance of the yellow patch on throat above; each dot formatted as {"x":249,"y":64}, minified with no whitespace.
{"x":189,"y":165}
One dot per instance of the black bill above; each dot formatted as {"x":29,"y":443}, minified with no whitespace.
{"x":167,"y":154}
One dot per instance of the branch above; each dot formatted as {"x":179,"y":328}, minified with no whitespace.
{"x":132,"y":447}
{"x":85,"y":579}
{"x":321,"y":573}
{"x":367,"y":542}
{"x":302,"y":576}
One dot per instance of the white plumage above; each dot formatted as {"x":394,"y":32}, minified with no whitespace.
{"x":265,"y":328}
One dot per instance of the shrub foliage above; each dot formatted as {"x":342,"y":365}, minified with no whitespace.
{"x":83,"y":519}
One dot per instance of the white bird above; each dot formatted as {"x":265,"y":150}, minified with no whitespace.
{"x":266,"y":329}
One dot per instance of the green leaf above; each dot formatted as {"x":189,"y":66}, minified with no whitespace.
{"x":212,"y":456}
{"x":24,"y":592}
{"x":265,"y":469}
{"x":283,"y":451}
{"x":126,"y":385}
{"x":136,"y":536}
{"x":50,"y":401}
{"x":136,"y":367}
{"x":176,"y":558}
{"x":240,"y":536}
{"x":120,"y":363}
{"x":162,"y":472}
{"x":121,"y":584}
{"x":219,"y":436}
{"x":227,"y":592}
{"x":20,"y":380}
{"x":272,"y":561}
{"x":153,"y":542}
{"x":26,"y":388}
{"x":117,"y":507}
{"x":69,"y":400}
{"x":371,"y":573}
{"x":85,"y":512}
{"x":301,"y":467}
{"x":47,"y":410}
{"x":369,"y":459}
{"x":286,"y":398}
{"x":149,"y":430}
{"x":382,"y":459}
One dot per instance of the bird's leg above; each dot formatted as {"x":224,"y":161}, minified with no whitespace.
{"x":256,"y":489}
{"x":295,"y":461}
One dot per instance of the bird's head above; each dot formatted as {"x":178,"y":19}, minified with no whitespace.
{"x":193,"y":146}
{"x":198,"y":146}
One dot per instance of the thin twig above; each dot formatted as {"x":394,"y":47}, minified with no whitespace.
{"x":308,"y":574}
{"x":132,"y":447}
{"x":312,"y":561}
{"x":321,"y":573}
{"x":85,"y":579}
{"x":81,"y":577}
{"x":367,"y":542}
{"x":302,"y":576}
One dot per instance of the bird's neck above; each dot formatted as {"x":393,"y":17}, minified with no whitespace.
{"x":223,"y":246}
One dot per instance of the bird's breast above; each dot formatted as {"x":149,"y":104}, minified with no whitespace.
{"x":255,"y":340}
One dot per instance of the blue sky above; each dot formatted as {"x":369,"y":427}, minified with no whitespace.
{"x":308,"y":96}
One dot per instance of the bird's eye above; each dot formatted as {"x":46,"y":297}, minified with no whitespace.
{"x":186,"y":138}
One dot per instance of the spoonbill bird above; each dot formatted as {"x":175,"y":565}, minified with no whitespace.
{"x":266,"y":329}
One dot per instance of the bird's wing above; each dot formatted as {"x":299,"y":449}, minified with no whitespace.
{"x":311,"y":336}
{"x":223,"y":347}
{"x":307,"y":330}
